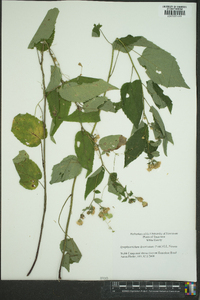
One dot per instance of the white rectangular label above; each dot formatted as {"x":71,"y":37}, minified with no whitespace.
{"x":155,"y":255}
{"x":175,"y":11}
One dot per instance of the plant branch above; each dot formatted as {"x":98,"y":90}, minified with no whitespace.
{"x":67,"y":226}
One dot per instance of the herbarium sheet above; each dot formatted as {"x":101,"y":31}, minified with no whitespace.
{"x":98,"y":141}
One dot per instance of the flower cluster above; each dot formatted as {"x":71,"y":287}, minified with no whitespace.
{"x":153,"y":165}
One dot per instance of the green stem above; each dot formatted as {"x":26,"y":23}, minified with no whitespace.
{"x":109,"y":75}
{"x":105,"y":37}
{"x":102,"y":162}
{"x":130,"y":58}
{"x":67,"y":226}
{"x":43,"y":163}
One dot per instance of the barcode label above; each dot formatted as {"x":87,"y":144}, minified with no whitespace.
{"x":175,"y":11}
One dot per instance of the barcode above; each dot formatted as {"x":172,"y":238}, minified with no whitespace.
{"x":174,"y":12}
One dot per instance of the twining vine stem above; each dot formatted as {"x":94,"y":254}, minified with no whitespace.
{"x":67,"y":226}
{"x":43,"y":149}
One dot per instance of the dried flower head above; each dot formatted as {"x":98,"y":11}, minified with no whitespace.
{"x":153,"y":165}
{"x":79,"y":222}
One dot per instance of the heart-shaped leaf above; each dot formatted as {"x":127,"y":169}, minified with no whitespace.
{"x":28,"y":129}
{"x":162,"y":67}
{"x":68,"y":168}
{"x":132,"y":101}
{"x":82,"y":89}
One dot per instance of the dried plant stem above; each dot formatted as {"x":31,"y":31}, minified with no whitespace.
{"x":43,"y":162}
{"x":67,"y":226}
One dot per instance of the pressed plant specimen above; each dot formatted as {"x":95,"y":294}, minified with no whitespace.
{"x":81,"y":100}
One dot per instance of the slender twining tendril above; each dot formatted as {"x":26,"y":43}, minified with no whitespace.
{"x":61,"y":212}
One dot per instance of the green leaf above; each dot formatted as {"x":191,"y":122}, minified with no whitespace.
{"x":151,"y":148}
{"x":46,"y":29}
{"x":44,"y":46}
{"x":72,"y":249}
{"x":112,"y":142}
{"x":68,"y":168}
{"x":155,"y":153}
{"x":160,"y":100}
{"x":113,"y":186}
{"x":136,"y":144}
{"x":84,"y":148}
{"x":93,"y":104}
{"x":72,"y":253}
{"x":117,"y":106}
{"x":28,"y":171}
{"x":157,"y":119}
{"x":54,"y":127}
{"x":94,"y":180}
{"x":109,"y":216}
{"x":162,"y":67}
{"x":143,"y":42}
{"x":82,"y":89}
{"x":134,"y":129}
{"x":65,"y":262}
{"x":157,"y":131}
{"x":132,"y":101}
{"x":96,"y":30}
{"x":124,"y":44}
{"x":168,"y":138}
{"x":81,"y":117}
{"x":97,"y":192}
{"x":125,"y":199}
{"x":59,"y":109}
{"x":28,"y":129}
{"x":108,"y":106}
{"x":55,"y":78}
{"x":97,"y":200}
{"x":155,"y":144}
